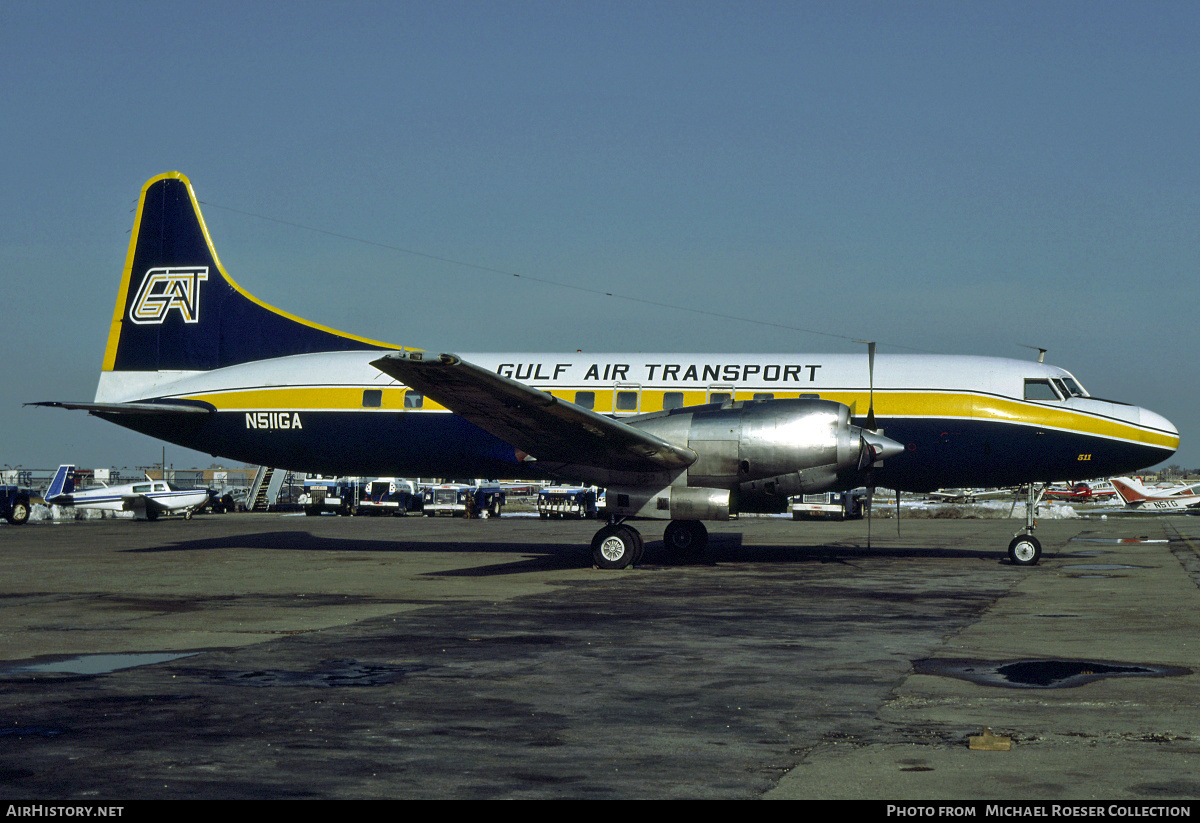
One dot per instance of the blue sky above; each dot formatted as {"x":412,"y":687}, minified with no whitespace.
{"x":943,"y":177}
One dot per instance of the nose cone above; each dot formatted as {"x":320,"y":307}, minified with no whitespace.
{"x":1161,"y":433}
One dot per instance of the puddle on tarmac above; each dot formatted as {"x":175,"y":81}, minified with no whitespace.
{"x":331,"y":674}
{"x":1101,"y":567}
{"x":88,"y":664}
{"x":1116,"y":540}
{"x":1040,"y":674}
{"x":31,"y":731}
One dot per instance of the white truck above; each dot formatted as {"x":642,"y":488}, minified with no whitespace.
{"x":391,"y":495}
{"x":828,"y":506}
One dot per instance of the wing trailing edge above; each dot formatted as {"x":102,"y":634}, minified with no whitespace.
{"x":544,"y":427}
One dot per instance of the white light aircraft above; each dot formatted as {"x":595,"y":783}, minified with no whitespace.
{"x":147,"y":499}
{"x":969,"y":495}
{"x":194,"y":359}
{"x":1137,"y":496}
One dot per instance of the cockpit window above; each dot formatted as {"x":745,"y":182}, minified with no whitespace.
{"x":1040,"y":389}
{"x":1073,"y":387}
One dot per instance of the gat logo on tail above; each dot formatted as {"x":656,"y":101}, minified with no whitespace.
{"x":169,"y":288}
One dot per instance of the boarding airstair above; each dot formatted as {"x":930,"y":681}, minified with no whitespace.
{"x":265,"y":488}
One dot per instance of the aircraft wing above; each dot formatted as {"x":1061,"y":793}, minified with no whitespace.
{"x":542,"y":426}
{"x":137,"y":501}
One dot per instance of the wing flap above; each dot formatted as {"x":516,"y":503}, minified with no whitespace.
{"x":542,"y":426}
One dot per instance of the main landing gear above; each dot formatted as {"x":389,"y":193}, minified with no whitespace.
{"x":1025,"y":550}
{"x":619,"y":545}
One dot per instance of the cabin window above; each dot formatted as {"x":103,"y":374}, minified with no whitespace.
{"x":372,"y":398}
{"x":764,"y":396}
{"x":627,"y":401}
{"x":160,"y":487}
{"x":586,"y":399}
{"x":672,"y":400}
{"x":719,"y":397}
{"x":142,"y":489}
{"x":1039,"y":389}
{"x":412,"y":400}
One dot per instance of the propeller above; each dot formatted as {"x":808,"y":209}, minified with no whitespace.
{"x":868,"y":456}
{"x":871,"y":379}
{"x":875,"y":447}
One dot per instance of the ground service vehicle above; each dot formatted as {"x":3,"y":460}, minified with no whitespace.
{"x":339,"y":495}
{"x":566,"y":501}
{"x":828,"y":506}
{"x":390,"y":495}
{"x":454,"y":499}
{"x":14,"y":504}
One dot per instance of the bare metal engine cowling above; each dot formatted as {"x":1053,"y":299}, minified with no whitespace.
{"x":774,"y":448}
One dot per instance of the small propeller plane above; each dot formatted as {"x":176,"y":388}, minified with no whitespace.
{"x":194,"y":359}
{"x":1137,"y":496}
{"x":1081,"y":493}
{"x":147,"y":499}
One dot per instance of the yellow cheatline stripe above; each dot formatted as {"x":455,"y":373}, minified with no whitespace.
{"x":963,"y":405}
{"x":309,"y":398}
{"x":114,"y":331}
{"x":934,"y":405}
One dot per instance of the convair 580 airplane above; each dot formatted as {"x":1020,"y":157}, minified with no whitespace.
{"x":194,"y":359}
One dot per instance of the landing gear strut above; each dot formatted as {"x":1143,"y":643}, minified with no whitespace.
{"x":1025,"y":550}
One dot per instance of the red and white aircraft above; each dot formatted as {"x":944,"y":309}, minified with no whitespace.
{"x":1137,"y":496}
{"x":1080,"y":493}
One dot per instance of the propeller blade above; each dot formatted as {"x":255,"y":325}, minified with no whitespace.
{"x":871,"y":377}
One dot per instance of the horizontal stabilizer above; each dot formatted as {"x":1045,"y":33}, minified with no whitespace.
{"x":542,"y":426}
{"x":165,"y":407}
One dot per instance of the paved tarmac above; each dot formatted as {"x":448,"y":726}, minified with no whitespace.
{"x":418,"y":658}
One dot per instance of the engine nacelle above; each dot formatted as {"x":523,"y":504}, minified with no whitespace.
{"x":775,"y":447}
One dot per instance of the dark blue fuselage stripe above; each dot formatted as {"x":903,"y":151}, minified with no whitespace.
{"x":940,"y":453}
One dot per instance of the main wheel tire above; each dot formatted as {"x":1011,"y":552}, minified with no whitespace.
{"x":614,"y":547}
{"x":640,"y":550}
{"x":19,"y":513}
{"x":1024,"y":550}
{"x":685,"y":538}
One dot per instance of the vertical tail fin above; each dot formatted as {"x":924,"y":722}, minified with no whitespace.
{"x":1129,"y":490}
{"x":62,"y":484}
{"x":178,"y":310}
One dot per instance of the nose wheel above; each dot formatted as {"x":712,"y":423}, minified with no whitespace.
{"x":1024,"y":550}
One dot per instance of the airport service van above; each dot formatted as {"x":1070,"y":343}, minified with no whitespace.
{"x":14,"y":504}
{"x":339,"y":495}
{"x":391,"y":495}
{"x":828,"y":506}
{"x":461,"y":499}
{"x":566,"y":501}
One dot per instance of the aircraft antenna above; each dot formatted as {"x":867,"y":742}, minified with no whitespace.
{"x":1041,"y":352}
